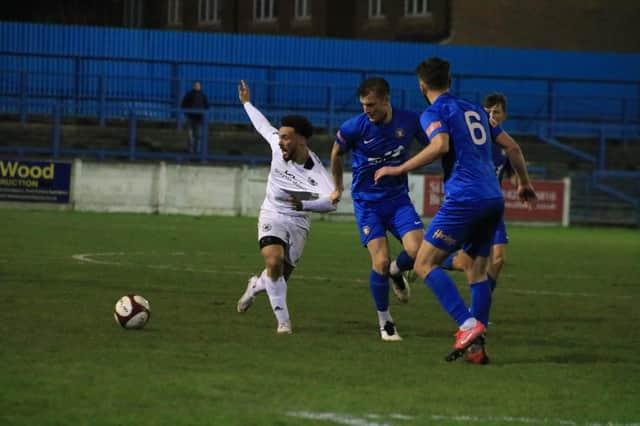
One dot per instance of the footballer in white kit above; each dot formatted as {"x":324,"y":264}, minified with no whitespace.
{"x":297,"y":184}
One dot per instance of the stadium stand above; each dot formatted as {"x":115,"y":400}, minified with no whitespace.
{"x":93,"y":100}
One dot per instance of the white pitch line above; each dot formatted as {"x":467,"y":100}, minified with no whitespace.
{"x":340,"y":419}
{"x":346,"y":419}
{"x":90,"y":258}
{"x":561,"y":293}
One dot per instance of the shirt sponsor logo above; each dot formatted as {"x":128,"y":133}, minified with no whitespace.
{"x":286,"y":174}
{"x":389,"y":155}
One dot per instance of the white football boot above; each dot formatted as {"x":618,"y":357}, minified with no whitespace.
{"x":247,"y":298}
{"x":400,"y":286}
{"x":284,"y":328}
{"x":388,"y":332}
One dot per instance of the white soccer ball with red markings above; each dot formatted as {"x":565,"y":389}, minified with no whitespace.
{"x":132,"y":311}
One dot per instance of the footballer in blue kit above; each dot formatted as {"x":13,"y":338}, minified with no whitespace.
{"x":495,"y":104}
{"x":381,"y":136}
{"x":460,"y":134}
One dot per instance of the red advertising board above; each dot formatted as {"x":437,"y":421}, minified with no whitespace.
{"x":549,"y":207}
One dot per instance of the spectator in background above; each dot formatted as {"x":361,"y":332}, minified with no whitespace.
{"x":195,"y":99}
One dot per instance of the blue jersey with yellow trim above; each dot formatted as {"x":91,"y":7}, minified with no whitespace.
{"x":469,"y":170}
{"x":375,"y":145}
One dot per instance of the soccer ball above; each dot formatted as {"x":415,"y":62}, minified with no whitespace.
{"x":132,"y":311}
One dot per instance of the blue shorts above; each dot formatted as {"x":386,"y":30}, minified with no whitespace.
{"x":469,"y":225}
{"x":375,"y":218}
{"x":500,"y":236}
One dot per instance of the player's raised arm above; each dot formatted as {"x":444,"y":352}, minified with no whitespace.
{"x":323,"y":204}
{"x":259,"y":121}
{"x":526,"y":193}
{"x":337,"y":171}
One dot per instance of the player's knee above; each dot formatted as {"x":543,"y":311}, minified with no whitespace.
{"x":274,"y":265}
{"x":498,"y":261}
{"x":423,"y":269}
{"x":381,"y":265}
{"x":462,"y":263}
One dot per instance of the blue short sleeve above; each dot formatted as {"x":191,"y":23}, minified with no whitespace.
{"x":432,"y":124}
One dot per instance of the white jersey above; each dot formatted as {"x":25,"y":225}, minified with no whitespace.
{"x":305,"y":182}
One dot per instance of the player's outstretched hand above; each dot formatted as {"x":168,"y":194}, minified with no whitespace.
{"x":335,"y":196}
{"x":527,"y":194}
{"x":243,"y":92}
{"x":386,"y":171}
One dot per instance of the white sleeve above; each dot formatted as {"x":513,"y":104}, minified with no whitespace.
{"x":319,"y":205}
{"x":262,"y":125}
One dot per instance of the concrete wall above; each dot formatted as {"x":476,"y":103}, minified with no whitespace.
{"x":184,"y":189}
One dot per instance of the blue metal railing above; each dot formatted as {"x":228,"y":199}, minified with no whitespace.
{"x":60,"y":95}
{"x":533,"y":99}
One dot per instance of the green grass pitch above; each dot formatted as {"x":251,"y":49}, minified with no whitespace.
{"x":564,"y":338}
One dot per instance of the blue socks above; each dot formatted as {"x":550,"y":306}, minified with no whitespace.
{"x":447,"y":294}
{"x":481,"y":301}
{"x":492,"y":282}
{"x":404,"y":261}
{"x":379,"y":285}
{"x":448,"y":262}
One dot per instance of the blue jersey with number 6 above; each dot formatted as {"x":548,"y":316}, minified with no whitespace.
{"x":469,"y":171}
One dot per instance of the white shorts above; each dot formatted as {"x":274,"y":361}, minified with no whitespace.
{"x":293,"y":230}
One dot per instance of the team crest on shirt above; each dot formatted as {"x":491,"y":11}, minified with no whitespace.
{"x":366,"y":230}
{"x":312,"y":181}
{"x":400,"y":133}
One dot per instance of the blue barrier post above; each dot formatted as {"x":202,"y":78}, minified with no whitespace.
{"x":203,"y":145}
{"x":625,"y":121}
{"x":331,"y":99}
{"x":638,"y":106}
{"x":271,"y":89}
{"x":550,"y":108}
{"x":56,"y":129}
{"x":602,"y":154}
{"x":77,"y":68}
{"x":23,"y":96}
{"x":179,"y":112}
{"x":590,"y":184}
{"x":176,"y":92}
{"x":132,"y":134}
{"x":101,"y":100}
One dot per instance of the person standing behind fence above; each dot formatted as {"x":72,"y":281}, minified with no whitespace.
{"x":195,"y":99}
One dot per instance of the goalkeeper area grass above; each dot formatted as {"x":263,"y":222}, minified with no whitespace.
{"x":564,"y":340}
